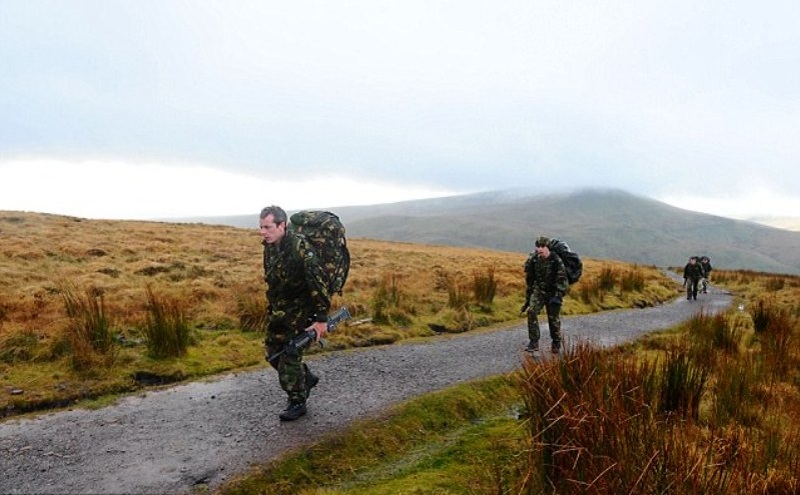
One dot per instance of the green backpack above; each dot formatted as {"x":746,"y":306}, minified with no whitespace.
{"x":572,"y":262}
{"x":327,"y":234}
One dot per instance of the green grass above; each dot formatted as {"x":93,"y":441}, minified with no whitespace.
{"x":446,"y":442}
{"x":53,"y":383}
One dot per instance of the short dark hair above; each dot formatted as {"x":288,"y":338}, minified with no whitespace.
{"x":277,"y":214}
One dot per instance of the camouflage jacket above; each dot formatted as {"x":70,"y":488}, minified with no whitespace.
{"x":297,"y":290}
{"x":705,"y":268}
{"x":692,"y":271}
{"x":546,"y":276}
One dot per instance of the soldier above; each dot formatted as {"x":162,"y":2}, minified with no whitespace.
{"x":692,"y":273}
{"x":297,"y":299}
{"x":705,"y":266}
{"x":546,"y":285}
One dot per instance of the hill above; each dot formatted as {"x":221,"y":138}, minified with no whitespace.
{"x":605,"y":224}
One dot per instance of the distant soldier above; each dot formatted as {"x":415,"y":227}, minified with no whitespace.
{"x":692,"y":273}
{"x":705,"y":266}
{"x":546,"y":284}
{"x":298,"y":299}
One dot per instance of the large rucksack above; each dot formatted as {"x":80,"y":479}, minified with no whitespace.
{"x":327,"y":234}
{"x":572,"y":262}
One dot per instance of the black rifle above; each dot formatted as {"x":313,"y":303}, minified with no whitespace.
{"x":307,"y":337}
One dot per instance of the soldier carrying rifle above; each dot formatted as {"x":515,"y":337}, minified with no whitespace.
{"x":298,"y":301}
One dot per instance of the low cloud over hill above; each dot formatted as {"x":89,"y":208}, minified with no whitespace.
{"x":610,"y":224}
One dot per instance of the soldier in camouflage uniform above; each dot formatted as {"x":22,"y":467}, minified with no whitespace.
{"x":705,"y":267}
{"x":692,"y":273}
{"x":546,"y":281}
{"x":298,"y":299}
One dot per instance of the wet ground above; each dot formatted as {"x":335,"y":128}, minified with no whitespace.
{"x":199,"y":434}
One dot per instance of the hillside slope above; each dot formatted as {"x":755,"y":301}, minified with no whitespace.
{"x":605,"y":224}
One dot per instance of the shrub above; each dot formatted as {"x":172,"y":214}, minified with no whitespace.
{"x":592,"y":424}
{"x":725,"y":335}
{"x":709,"y":334}
{"x":607,"y":279}
{"x":457,"y":295}
{"x":683,"y":383}
{"x":386,"y":299}
{"x":166,"y":328}
{"x":251,"y":311}
{"x":776,"y":344}
{"x":733,"y":396}
{"x":88,"y":331}
{"x":632,"y":281}
{"x":761,"y":313}
{"x":484,"y":287}
{"x":774,"y":284}
{"x":586,"y":291}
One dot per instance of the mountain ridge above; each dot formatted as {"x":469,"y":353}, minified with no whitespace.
{"x":598,"y":223}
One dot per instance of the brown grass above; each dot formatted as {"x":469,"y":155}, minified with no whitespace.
{"x":711,"y":408}
{"x":214,"y":273}
{"x":711,"y":414}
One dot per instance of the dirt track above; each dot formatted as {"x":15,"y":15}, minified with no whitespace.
{"x":197,"y":434}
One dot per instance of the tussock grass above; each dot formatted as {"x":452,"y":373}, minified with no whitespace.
{"x":484,"y":287}
{"x":166,"y":328}
{"x":615,"y":286}
{"x":88,"y":331}
{"x":209,"y":282}
{"x":250,"y":310}
{"x":698,"y":409}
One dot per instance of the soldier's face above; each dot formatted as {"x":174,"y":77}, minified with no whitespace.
{"x":543,"y":251}
{"x":270,"y":232}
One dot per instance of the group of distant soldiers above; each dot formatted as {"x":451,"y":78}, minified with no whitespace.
{"x":695,"y":276}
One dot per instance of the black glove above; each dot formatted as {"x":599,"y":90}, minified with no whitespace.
{"x":524,"y":308}
{"x":555,"y":300}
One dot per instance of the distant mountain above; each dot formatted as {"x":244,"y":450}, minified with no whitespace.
{"x":788,"y":223}
{"x":605,"y":224}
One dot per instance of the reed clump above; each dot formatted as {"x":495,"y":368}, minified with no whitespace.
{"x":166,"y":326}
{"x":713,"y":411}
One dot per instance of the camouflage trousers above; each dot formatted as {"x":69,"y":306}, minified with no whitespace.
{"x":292,"y":373}
{"x":691,"y":287}
{"x":553,"y":322}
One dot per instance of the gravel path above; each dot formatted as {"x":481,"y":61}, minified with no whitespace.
{"x":199,"y":434}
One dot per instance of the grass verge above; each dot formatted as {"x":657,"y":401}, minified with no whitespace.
{"x":465,"y":437}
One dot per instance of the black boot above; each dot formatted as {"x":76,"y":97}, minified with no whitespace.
{"x":294,"y":410}
{"x":311,"y":381}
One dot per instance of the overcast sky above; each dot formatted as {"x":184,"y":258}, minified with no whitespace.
{"x":152,"y":109}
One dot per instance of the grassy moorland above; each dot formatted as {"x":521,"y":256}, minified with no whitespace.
{"x":92,"y":308}
{"x":710,"y":407}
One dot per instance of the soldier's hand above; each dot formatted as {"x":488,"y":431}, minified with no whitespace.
{"x":524,"y":308}
{"x":320,"y":328}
